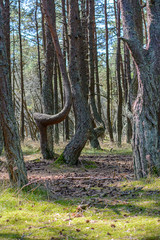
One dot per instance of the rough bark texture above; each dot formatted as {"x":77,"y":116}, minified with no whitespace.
{"x":21,"y":74}
{"x":1,"y":140}
{"x":47,"y":89}
{"x":98,"y":120}
{"x":118,"y":70}
{"x":146,"y":147}
{"x":126,"y":86}
{"x":56,"y":129}
{"x":82,"y":115}
{"x":44,"y":120}
{"x":14,"y":156}
{"x":109,"y":123}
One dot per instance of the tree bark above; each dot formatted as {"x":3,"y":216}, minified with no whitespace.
{"x":38,"y":49}
{"x":1,"y":140}
{"x":14,"y":156}
{"x":56,"y":129}
{"x":145,"y":125}
{"x":47,"y":87}
{"x":22,"y":78}
{"x":44,"y":120}
{"x":73,"y":149}
{"x":118,"y":70}
{"x":109,"y":123}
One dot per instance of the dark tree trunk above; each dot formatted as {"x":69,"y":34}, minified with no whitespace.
{"x":15,"y":162}
{"x":109,"y":123}
{"x":145,"y":125}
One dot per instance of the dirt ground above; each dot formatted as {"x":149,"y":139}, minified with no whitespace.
{"x":91,"y":178}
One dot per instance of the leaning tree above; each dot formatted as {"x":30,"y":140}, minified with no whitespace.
{"x":146,"y":107}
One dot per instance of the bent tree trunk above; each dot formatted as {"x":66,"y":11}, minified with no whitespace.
{"x":45,"y":120}
{"x":14,"y":156}
{"x":82,"y":115}
{"x":145,"y":122}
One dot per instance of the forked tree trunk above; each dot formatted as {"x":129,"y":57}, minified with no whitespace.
{"x":146,"y":145}
{"x":14,"y":156}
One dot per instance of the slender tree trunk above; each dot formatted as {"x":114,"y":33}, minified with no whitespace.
{"x":56,"y":130}
{"x":43,"y":28}
{"x":109,"y":123}
{"x":94,"y":142}
{"x":38,"y":49}
{"x":1,"y":140}
{"x":65,"y":52}
{"x":15,"y":162}
{"x":92,"y":61}
{"x":22,"y":78}
{"x":118,"y":69}
{"x":126,"y":87}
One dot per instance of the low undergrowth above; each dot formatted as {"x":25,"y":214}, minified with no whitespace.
{"x":132,"y":213}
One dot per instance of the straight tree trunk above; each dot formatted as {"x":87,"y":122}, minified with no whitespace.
{"x":66,"y":56}
{"x":1,"y":140}
{"x":109,"y":123}
{"x":38,"y":49}
{"x":14,"y":156}
{"x":47,"y":89}
{"x":118,"y":69}
{"x":56,"y":130}
{"x":126,"y":87}
{"x":96,"y":117}
{"x":21,"y":70}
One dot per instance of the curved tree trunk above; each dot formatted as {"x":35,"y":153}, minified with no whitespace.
{"x":81,"y":109}
{"x":44,"y":120}
{"x":145,"y":122}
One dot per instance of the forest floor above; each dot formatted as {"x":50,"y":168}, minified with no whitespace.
{"x":98,"y":199}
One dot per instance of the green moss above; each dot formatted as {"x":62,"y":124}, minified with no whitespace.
{"x":60,"y":160}
{"x":34,"y":215}
{"x":89,"y":164}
